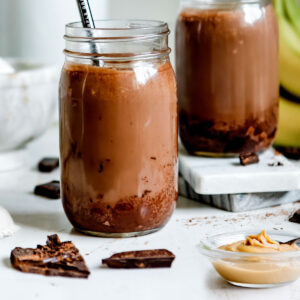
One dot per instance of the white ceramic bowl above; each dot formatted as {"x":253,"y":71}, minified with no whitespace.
{"x":28,"y":100}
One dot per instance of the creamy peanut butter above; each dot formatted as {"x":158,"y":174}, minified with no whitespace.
{"x":259,"y":269}
{"x":261,"y":243}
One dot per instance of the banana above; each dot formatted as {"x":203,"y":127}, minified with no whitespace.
{"x":289,"y":66}
{"x":289,"y":55}
{"x":288,"y":133}
{"x":293,"y":12}
{"x":288,"y":15}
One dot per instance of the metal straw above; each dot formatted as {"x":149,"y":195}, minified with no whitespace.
{"x":87,"y":22}
{"x":86,"y":14}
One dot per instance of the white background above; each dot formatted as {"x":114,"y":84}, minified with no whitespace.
{"x":35,"y":28}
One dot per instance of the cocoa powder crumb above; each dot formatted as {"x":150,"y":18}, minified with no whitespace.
{"x":145,"y":193}
{"x":269,"y":215}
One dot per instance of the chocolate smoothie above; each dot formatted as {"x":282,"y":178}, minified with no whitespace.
{"x":118,"y":143}
{"x":227,"y":73}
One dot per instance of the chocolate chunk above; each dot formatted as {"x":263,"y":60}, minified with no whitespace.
{"x":48,"y":164}
{"x":248,"y":158}
{"x":158,"y":258}
{"x":145,"y":193}
{"x":289,"y":152}
{"x":50,"y":189}
{"x":54,"y":259}
{"x":296,"y":217}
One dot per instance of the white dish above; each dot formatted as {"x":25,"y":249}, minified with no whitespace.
{"x":7,"y":225}
{"x":28,"y":99}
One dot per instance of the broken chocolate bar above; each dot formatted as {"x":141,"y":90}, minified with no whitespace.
{"x":248,"y":158}
{"x":158,"y":258}
{"x":296,"y":217}
{"x":50,"y":189}
{"x":48,"y":164}
{"x":55,"y":259}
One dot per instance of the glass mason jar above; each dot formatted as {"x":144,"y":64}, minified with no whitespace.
{"x":118,"y":128}
{"x":227,"y":74}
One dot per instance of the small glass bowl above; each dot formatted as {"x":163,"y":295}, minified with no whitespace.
{"x":254,"y":270}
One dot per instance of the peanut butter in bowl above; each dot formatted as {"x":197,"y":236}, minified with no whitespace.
{"x":256,"y":261}
{"x":260,"y":243}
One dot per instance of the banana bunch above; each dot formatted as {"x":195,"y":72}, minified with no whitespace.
{"x":288,"y":14}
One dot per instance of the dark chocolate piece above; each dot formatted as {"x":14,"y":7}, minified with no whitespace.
{"x":289,"y":152}
{"x":248,"y":158}
{"x":54,"y":259}
{"x":295,"y":217}
{"x":48,"y":164}
{"x":158,"y":258}
{"x":50,"y":189}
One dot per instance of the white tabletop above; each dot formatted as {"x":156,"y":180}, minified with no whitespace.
{"x":191,"y":276}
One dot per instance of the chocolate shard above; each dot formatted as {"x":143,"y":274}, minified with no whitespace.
{"x":54,"y":259}
{"x":248,"y":158}
{"x":48,"y":164}
{"x":295,"y":217}
{"x":49,"y":190}
{"x":157,"y":258}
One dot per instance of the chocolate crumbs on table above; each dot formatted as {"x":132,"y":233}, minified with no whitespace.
{"x":276,"y":164}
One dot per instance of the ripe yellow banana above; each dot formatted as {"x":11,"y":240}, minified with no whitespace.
{"x":288,"y":14}
{"x":288,"y":133}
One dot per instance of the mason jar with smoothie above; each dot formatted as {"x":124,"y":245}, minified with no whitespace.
{"x":227,"y":74}
{"x":118,"y":128}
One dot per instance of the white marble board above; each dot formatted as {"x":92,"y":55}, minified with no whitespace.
{"x":214,"y":176}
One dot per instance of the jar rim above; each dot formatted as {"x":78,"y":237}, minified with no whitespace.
{"x":118,"y":40}
{"x":118,"y":29}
